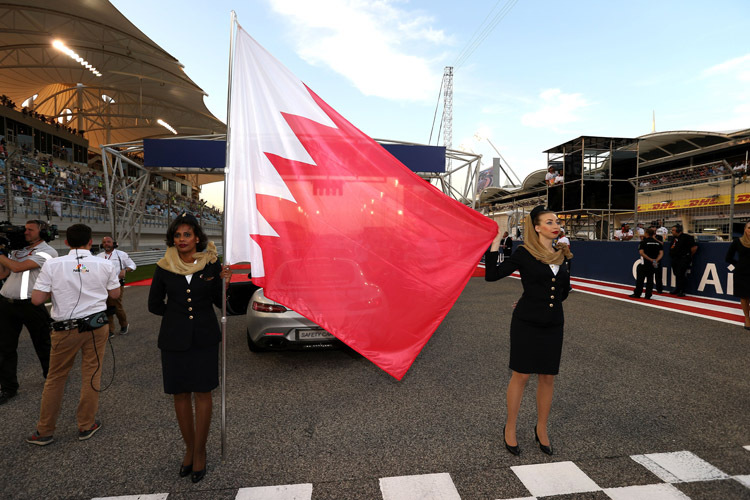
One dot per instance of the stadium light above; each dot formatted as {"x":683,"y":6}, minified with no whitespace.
{"x":166,"y":126}
{"x":29,"y":101}
{"x":65,"y":116}
{"x":59,"y":45}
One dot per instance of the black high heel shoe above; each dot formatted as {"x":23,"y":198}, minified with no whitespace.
{"x":198,"y":475}
{"x":513,"y":450}
{"x":185,"y":470}
{"x":545,"y":449}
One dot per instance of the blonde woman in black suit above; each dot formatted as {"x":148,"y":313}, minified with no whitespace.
{"x":190,"y":277}
{"x":536,"y":328}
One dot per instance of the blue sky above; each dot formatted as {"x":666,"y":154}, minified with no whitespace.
{"x":548,"y":72}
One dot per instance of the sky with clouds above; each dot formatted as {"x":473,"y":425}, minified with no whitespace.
{"x":528,"y":74}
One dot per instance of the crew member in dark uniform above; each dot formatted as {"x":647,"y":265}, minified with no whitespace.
{"x":740,"y":248}
{"x":681,"y":252}
{"x":658,"y":275}
{"x":651,"y":254}
{"x":189,"y":277}
{"x":507,"y":245}
{"x":536,"y":328}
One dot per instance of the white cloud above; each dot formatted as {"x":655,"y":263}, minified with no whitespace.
{"x":363,"y":41}
{"x":728,"y":81}
{"x":556,"y":108}
{"x":739,"y":64}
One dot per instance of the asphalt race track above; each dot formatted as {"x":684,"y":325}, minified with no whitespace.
{"x":649,"y":403}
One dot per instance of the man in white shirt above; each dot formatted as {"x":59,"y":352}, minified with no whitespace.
{"x":549,"y":179}
{"x":624,"y":233}
{"x":79,"y":286}
{"x":123,"y":263}
{"x":640,"y":232}
{"x":21,"y":268}
{"x":562,"y":238}
{"x":661,"y":232}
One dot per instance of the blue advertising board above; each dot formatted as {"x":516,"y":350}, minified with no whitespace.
{"x":616,"y":261}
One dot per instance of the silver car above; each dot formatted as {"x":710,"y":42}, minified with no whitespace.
{"x":272,"y":326}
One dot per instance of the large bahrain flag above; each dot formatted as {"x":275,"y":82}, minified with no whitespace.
{"x":333,"y":225}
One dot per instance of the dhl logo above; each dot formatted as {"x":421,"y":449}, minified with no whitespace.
{"x":704,"y":202}
{"x":696,"y":202}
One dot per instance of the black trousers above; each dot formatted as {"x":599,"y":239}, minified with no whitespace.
{"x":680,"y":268}
{"x":644,"y":272}
{"x":13,"y":317}
{"x":658,"y":278}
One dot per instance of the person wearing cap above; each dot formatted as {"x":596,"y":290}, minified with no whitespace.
{"x":624,"y":233}
{"x":550,"y":177}
{"x":536,"y":328}
{"x":187,"y":283}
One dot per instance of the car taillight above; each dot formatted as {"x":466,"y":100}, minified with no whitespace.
{"x":268,"y":308}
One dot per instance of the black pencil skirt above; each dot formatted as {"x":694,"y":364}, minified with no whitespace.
{"x":194,"y":370}
{"x":535,"y":348}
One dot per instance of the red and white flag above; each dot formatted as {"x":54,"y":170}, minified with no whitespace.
{"x":333,"y":225}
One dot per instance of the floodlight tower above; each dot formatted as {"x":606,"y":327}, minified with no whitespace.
{"x":448,"y":109}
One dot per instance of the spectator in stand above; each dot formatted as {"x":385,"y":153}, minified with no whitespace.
{"x":639,"y":231}
{"x":741,"y":248}
{"x":624,"y":233}
{"x":549,"y":179}
{"x":559,"y":179}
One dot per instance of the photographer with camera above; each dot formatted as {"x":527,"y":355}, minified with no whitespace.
{"x":21,"y":267}
{"x":123,"y":263}
{"x":79,"y":285}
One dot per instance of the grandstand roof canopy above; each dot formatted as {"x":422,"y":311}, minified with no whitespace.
{"x":664,"y":146}
{"x":143,"y":82}
{"x":590,"y":142}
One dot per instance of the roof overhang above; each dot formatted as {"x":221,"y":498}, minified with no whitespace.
{"x":667,"y":146}
{"x":143,"y":82}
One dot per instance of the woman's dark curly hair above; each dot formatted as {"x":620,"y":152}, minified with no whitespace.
{"x":190,"y":220}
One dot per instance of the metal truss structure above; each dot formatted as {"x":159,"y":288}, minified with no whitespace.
{"x":127,"y":180}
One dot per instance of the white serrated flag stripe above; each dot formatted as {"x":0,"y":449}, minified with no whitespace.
{"x":262,"y":88}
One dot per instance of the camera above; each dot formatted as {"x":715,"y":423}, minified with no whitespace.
{"x":12,"y":237}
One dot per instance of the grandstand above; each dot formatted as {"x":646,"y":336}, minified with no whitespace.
{"x":102,"y":81}
{"x":697,"y":179}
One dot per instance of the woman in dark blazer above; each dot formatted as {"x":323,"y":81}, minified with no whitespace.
{"x":740,"y":247}
{"x":190,"y":277}
{"x":536,"y":328}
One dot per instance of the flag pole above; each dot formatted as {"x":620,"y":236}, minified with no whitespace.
{"x":224,"y":250}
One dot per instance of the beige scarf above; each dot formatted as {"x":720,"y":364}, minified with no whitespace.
{"x":534,"y":246}
{"x":173,"y":263}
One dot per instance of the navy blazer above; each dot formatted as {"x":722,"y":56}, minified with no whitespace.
{"x":543,"y":291}
{"x":188,"y":317}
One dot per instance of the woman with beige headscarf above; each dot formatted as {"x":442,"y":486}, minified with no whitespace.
{"x":536,"y":328}
{"x":741,"y":248}
{"x":189,"y":277}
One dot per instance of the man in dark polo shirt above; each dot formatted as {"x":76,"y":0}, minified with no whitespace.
{"x":651,"y":254}
{"x":681,"y":252}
